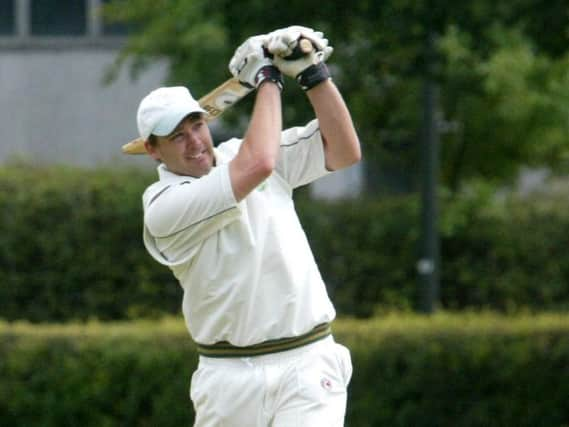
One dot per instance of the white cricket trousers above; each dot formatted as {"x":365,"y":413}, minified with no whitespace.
{"x":303,"y":387}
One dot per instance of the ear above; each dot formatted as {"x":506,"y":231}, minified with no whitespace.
{"x":152,"y":150}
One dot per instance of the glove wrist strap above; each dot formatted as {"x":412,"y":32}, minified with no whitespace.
{"x":313,"y":76}
{"x":269,"y":73}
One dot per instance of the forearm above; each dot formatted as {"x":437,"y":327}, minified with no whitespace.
{"x":263,"y":134}
{"x":258,"y":153}
{"x":341,"y":142}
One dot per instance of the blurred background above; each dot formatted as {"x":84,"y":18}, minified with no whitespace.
{"x":458,"y":210}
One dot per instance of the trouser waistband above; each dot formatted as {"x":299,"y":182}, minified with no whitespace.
{"x":225,"y":349}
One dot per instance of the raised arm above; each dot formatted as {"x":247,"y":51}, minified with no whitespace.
{"x":258,"y":153}
{"x":341,"y":143}
{"x":257,"y":156}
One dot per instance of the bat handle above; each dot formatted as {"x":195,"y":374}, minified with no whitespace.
{"x":303,"y":47}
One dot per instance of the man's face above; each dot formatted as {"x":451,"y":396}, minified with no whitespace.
{"x":188,"y":150}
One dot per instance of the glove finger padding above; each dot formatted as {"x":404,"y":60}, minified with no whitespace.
{"x":282,"y":42}
{"x":293,"y":68}
{"x":309,"y":71}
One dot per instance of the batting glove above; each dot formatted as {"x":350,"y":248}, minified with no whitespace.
{"x":252,"y":65}
{"x":310,"y":69}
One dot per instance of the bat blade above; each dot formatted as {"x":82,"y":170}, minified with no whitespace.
{"x":214,"y":102}
{"x":223,"y":97}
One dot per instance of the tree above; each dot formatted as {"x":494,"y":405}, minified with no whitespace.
{"x":503,"y":79}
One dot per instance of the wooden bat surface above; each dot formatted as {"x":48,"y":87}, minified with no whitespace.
{"x":223,"y":97}
{"x":218,"y":100}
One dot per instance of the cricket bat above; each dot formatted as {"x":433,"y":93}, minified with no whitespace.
{"x":222,"y":97}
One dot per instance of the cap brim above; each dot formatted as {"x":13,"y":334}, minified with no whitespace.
{"x":164,"y":128}
{"x":167,"y":125}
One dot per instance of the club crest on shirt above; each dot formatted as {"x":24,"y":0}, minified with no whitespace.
{"x":262,"y":186}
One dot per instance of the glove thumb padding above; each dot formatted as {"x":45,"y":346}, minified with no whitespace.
{"x":248,"y":61}
{"x":249,"y":50}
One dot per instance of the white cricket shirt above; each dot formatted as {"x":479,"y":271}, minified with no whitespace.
{"x":246,"y":268}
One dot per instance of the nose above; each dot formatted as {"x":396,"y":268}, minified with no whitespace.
{"x":191,"y":137}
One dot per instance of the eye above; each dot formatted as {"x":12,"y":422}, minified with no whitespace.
{"x":177,"y":138}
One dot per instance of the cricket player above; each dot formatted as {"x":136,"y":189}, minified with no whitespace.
{"x":223,"y":220}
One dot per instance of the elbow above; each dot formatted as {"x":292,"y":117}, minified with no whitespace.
{"x":259,"y":170}
{"x":351,"y":161}
{"x":356,"y":155}
{"x":265,"y":167}
{"x":248,"y":170}
{"x":347,"y":156}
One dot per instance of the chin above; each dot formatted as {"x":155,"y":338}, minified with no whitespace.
{"x":199,"y":172}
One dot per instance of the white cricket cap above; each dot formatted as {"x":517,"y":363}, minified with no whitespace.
{"x":163,"y":109}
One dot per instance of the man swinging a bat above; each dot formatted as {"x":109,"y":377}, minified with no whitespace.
{"x":223,"y":220}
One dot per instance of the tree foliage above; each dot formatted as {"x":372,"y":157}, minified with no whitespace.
{"x":502,"y":70}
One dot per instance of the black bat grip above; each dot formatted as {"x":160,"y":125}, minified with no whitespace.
{"x":303,"y":46}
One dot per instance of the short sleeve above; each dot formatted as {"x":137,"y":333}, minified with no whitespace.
{"x":301,"y":158}
{"x":180,"y":214}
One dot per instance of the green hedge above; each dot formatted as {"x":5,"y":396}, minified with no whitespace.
{"x":507,"y":255}
{"x":446,"y":370}
{"x":71,"y":248}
